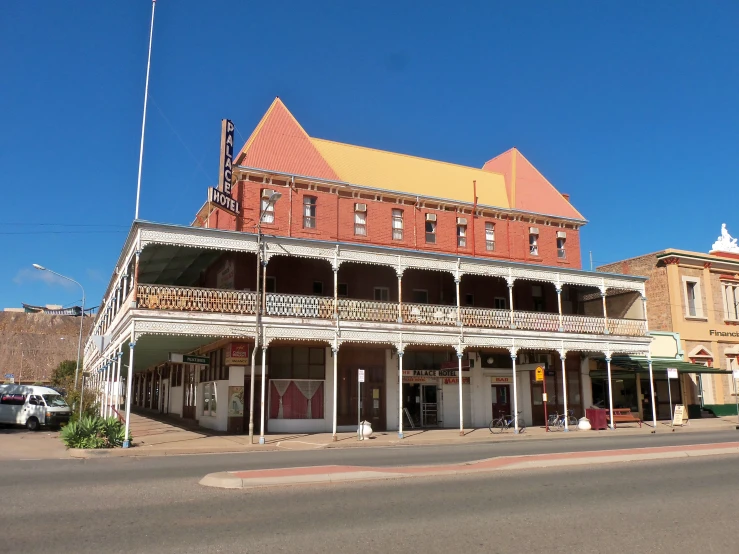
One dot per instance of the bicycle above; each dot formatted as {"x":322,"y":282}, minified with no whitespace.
{"x":558,"y":421}
{"x":506,"y":422}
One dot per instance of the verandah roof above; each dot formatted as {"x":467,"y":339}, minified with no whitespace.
{"x":641,"y":365}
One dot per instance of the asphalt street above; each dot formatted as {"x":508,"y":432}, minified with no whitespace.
{"x":670,"y":506}
{"x":129,"y":470}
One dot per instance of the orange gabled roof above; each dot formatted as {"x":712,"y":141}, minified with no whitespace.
{"x":528,"y":190}
{"x":279,"y":143}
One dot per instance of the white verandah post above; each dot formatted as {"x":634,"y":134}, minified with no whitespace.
{"x":610,"y":390}
{"x":400,"y":393}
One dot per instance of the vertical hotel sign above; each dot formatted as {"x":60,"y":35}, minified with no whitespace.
{"x":222,"y":196}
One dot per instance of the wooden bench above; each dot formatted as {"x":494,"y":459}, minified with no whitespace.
{"x":623,"y":415}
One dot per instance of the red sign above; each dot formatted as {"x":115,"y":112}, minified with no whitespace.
{"x":237,"y":353}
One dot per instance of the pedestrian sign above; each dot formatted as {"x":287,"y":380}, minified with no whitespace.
{"x":539,"y":374}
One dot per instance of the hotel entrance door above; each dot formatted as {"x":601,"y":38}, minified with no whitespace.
{"x":423,"y":404}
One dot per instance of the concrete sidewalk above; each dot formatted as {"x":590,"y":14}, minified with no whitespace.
{"x":342,"y":474}
{"x":159,"y":437}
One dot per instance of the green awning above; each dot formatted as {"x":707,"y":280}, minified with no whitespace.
{"x":659,"y":365}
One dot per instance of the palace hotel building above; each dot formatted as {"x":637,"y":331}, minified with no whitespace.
{"x":448,"y":285}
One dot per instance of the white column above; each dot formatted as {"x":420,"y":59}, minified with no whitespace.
{"x":400,"y":394}
{"x":400,"y":297}
{"x":610,"y":390}
{"x":264,"y":386}
{"x":559,"y":305}
{"x":515,"y":395}
{"x":117,"y":382}
{"x":160,"y":399}
{"x":510,"y":300}
{"x":335,"y":352}
{"x":562,"y":356}
{"x":251,"y":386}
{"x":103,"y":391}
{"x":651,"y":392}
{"x":461,"y":407}
{"x":646,"y":319}
{"x":336,"y":293}
{"x":459,"y":308}
{"x":129,"y":381}
{"x":605,"y":312}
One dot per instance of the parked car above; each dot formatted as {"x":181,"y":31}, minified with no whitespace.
{"x":32,"y":406}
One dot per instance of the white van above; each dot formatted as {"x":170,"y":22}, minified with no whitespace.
{"x":32,"y":406}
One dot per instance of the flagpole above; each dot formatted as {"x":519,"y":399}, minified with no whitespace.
{"x":146,"y":98}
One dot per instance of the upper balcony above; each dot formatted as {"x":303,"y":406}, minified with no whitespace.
{"x":204,"y":300}
{"x":167,"y":268}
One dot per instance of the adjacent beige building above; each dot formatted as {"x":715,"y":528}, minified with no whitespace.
{"x":696,"y":295}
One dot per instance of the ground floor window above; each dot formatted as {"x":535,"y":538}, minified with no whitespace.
{"x":299,"y":362}
{"x":210,"y":401}
{"x":296,"y":399}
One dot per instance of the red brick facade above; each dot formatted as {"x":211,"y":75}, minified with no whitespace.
{"x":335,"y":213}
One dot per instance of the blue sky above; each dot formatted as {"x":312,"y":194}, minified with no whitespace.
{"x":629,"y":107}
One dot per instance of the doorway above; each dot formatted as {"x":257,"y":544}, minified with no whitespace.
{"x":423,"y":402}
{"x":501,"y":396}
{"x":190,"y":393}
{"x":372,"y":361}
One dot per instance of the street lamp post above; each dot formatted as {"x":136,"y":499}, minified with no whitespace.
{"x":82,"y":319}
{"x":273,"y":198}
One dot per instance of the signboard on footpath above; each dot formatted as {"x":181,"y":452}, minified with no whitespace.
{"x":223,"y":195}
{"x":679,"y":413}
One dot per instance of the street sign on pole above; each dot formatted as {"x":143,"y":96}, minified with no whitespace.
{"x":539,"y":374}
{"x":672,"y":373}
{"x":360,"y":375}
{"x":10,"y":376}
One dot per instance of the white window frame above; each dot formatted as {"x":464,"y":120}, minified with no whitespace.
{"x":489,"y":236}
{"x":462,"y":236}
{"x":561,"y":248}
{"x":309,"y":211}
{"x":696,"y":281}
{"x":207,"y":406}
{"x":397,"y":224}
{"x":267,"y":211}
{"x":360,"y":223}
{"x":384,"y":294}
{"x":533,"y":244}
{"x":730,"y":293}
{"x":430,"y":234}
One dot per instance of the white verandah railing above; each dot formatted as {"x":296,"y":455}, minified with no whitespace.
{"x":165,"y":297}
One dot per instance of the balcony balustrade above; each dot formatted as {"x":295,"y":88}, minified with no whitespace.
{"x":161,"y":297}
{"x":191,"y":299}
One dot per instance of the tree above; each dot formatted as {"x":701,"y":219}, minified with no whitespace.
{"x":63,"y":374}
{"x":62,"y":379}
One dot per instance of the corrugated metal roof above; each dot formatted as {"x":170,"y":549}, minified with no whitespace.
{"x":411,"y":175}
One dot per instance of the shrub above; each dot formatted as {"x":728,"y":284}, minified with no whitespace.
{"x":93,"y":432}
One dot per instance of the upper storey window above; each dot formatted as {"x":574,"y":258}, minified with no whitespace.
{"x":309,"y":212}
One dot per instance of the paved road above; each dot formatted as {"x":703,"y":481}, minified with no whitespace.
{"x":670,"y":506}
{"x":103,"y":471}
